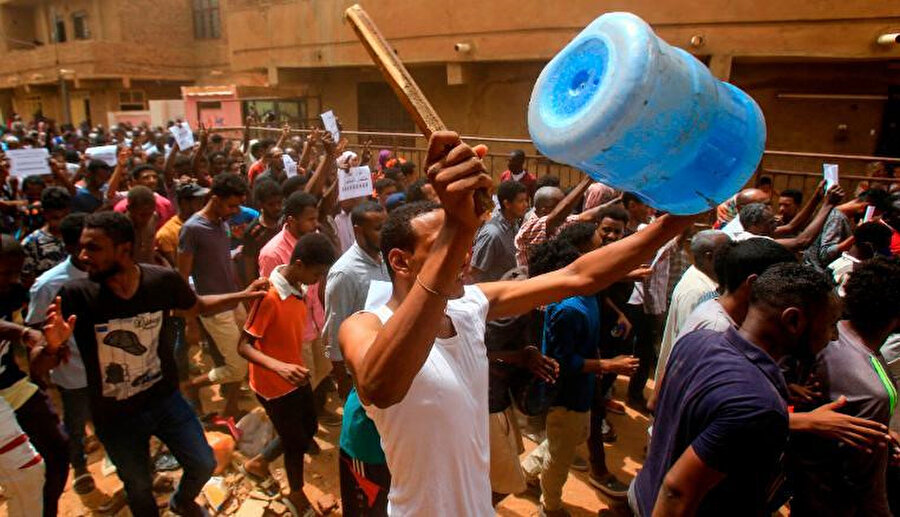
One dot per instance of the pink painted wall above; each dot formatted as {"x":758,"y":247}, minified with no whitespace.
{"x":228,"y":115}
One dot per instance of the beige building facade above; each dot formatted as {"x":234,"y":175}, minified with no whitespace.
{"x":816,"y":67}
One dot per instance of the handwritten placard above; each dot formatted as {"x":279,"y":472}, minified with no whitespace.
{"x":290,"y":166}
{"x":830,"y":171}
{"x":355,"y":182}
{"x":104,"y":153}
{"x":330,"y":123}
{"x":28,"y":162}
{"x":183,"y":135}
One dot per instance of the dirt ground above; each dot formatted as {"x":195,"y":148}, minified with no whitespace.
{"x":624,"y":458}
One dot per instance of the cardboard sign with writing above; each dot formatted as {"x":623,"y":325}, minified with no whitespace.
{"x":353,"y":183}
{"x":330,"y":123}
{"x":104,"y":153}
{"x":28,"y":162}
{"x":183,"y":135}
{"x":290,"y":166}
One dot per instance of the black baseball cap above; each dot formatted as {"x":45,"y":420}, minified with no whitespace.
{"x":190,"y":190}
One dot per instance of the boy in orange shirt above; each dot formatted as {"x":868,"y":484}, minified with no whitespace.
{"x":272,"y":344}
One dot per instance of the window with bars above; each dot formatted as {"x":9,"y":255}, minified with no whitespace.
{"x":131,"y":100}
{"x":59,"y":29}
{"x":207,"y":23}
{"x":80,"y":27}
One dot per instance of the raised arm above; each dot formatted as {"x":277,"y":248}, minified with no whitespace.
{"x":282,"y":138}
{"x":806,"y":237}
{"x":245,"y":136}
{"x":200,"y":151}
{"x":115,"y":181}
{"x":308,"y":147}
{"x":317,"y":181}
{"x":565,"y":207}
{"x":803,"y":214}
{"x":385,"y":359}
{"x":589,"y":274}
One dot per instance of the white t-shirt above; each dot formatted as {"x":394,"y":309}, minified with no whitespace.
{"x":693,"y":289}
{"x":435,"y":440}
{"x":708,"y":315}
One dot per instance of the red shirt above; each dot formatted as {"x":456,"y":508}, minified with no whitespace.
{"x":164,"y":209}
{"x":255,"y":170}
{"x":528,"y":179}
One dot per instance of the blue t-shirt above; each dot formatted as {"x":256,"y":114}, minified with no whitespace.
{"x":724,"y":397}
{"x":84,"y":201}
{"x":359,"y":437}
{"x":571,"y":335}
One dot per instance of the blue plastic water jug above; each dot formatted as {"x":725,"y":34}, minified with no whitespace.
{"x":640,"y":115}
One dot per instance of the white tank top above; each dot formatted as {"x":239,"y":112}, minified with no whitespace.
{"x":436,"y":439}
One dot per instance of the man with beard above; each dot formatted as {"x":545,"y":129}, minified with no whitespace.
{"x":721,"y":430}
{"x":120,"y":316}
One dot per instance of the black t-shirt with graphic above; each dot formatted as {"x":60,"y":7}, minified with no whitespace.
{"x":127,"y":345}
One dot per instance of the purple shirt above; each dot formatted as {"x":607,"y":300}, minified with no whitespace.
{"x":724,"y":397}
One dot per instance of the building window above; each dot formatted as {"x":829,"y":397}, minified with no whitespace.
{"x":131,"y":100}
{"x":207,"y":24}
{"x":80,"y":25}
{"x":59,"y":29}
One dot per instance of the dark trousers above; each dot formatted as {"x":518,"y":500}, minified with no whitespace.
{"x":38,"y":420}
{"x":647,"y":329}
{"x":127,"y":442}
{"x":76,"y":413}
{"x":294,"y":418}
{"x":364,"y":487}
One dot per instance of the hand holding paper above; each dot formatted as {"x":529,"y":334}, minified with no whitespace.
{"x":330,"y":123}
{"x":830,"y":171}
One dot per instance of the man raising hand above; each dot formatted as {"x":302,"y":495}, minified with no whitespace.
{"x":419,"y":362}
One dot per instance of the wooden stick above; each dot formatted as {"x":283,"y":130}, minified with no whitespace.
{"x":404,"y":86}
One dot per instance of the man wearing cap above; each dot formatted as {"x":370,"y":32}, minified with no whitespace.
{"x":191,"y":198}
{"x":90,"y":197}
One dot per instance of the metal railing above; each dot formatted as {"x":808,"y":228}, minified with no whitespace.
{"x":772,"y":164}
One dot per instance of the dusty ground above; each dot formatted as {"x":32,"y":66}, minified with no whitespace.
{"x":623,"y":458}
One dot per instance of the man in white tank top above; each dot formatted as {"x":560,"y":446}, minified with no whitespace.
{"x":420,"y":363}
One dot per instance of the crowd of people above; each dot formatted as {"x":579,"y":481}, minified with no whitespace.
{"x":446,"y":334}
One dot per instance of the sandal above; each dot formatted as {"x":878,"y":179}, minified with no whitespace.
{"x":307,"y":512}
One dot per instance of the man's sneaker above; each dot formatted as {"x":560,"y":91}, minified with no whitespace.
{"x":609,"y":485}
{"x":608,"y":433}
{"x":561,"y":512}
{"x":614,"y":406}
{"x":579,"y":464}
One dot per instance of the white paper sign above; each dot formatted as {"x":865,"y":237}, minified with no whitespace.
{"x":331,"y":126}
{"x":870,"y":213}
{"x":830,"y":171}
{"x":356,"y":182}
{"x":183,"y":135}
{"x":27,"y":162}
{"x":104,"y":153}
{"x":290,"y":166}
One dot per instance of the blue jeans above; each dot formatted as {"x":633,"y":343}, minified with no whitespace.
{"x":127,"y":442}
